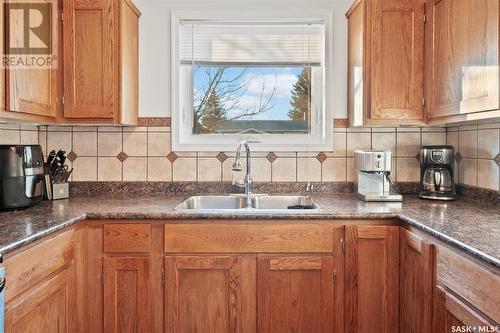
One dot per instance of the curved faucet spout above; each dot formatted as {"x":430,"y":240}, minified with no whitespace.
{"x":248,"y":182}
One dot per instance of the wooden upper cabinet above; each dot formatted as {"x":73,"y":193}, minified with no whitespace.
{"x":2,"y":52}
{"x":462,"y":59}
{"x":386,"y":62}
{"x":416,"y":283}
{"x":48,"y":307}
{"x":371,"y":279}
{"x":101,"y":61}
{"x":207,"y":294}
{"x":295,"y":294}
{"x":127,"y":288}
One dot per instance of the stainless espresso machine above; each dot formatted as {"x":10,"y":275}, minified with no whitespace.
{"x":373,"y":175}
{"x":437,"y":172}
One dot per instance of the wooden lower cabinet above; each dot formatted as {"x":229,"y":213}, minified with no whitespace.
{"x":454,"y":315}
{"x":371,"y":279}
{"x":295,"y":294}
{"x":415,"y":284}
{"x":127,"y":294}
{"x":48,"y":307}
{"x":207,"y":294}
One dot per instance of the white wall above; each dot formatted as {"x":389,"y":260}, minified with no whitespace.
{"x":155,"y":46}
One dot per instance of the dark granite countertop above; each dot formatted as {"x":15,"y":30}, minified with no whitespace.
{"x":470,"y":225}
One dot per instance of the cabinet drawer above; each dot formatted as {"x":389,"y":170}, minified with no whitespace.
{"x":28,"y":267}
{"x":127,"y":238}
{"x":474,"y":283}
{"x":248,"y":238}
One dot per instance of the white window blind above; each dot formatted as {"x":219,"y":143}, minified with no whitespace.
{"x":251,"y":43}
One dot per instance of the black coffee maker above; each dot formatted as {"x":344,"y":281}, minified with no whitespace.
{"x":437,"y":173}
{"x":21,"y":176}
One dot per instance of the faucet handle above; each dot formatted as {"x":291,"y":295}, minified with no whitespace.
{"x":309,"y":187}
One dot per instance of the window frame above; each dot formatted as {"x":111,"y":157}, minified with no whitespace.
{"x":321,"y":137}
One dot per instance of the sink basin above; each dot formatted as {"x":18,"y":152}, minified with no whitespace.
{"x":238,"y":203}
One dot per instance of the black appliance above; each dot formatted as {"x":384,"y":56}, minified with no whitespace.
{"x":21,"y":176}
{"x":437,"y":173}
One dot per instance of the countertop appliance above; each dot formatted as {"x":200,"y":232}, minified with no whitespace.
{"x":21,"y":176}
{"x":373,"y":175}
{"x":437,"y":173}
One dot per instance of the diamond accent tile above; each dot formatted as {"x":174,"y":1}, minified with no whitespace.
{"x":418,"y":156}
{"x":221,"y":157}
{"x":271,"y":157}
{"x":497,"y":159}
{"x":122,"y":156}
{"x":458,"y":157}
{"x":72,"y":156}
{"x":172,"y":157}
{"x":321,"y":157}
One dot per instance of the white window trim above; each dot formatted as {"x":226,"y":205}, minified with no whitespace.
{"x":182,"y":137}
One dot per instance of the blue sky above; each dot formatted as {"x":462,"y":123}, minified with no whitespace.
{"x":257,"y":78}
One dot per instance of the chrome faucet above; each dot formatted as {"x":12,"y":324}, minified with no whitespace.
{"x":247,"y":181}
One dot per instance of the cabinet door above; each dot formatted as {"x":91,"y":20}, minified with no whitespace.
{"x":295,"y":294}
{"x":416,"y":283}
{"x":126,"y":294}
{"x":205,"y":294}
{"x":29,"y":90}
{"x":397,"y":60}
{"x":90,"y":68}
{"x":48,"y":308}
{"x":451,"y":314}
{"x":372,"y":273}
{"x":463,"y":56}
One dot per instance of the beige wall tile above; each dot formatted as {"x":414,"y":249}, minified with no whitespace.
{"x":85,"y":169}
{"x":109,"y":169}
{"x":159,"y":169}
{"x":59,"y":140}
{"x":408,"y":170}
{"x":29,"y":137}
{"x":158,"y":144}
{"x":284,"y":169}
{"x":467,"y":171}
{"x":452,"y":140}
{"x":109,"y":144}
{"x":334,"y":170}
{"x":184,"y":169}
{"x":488,"y":143}
{"x":339,"y":144}
{"x":85,"y":143}
{"x":308,"y":169}
{"x":488,"y":174}
{"x":467,"y":141}
{"x":10,"y":137}
{"x":408,"y":144}
{"x":9,"y":126}
{"x":358,"y":141}
{"x":261,"y":170}
{"x":134,"y":169}
{"x":42,"y":141}
{"x":351,"y":173}
{"x":135,"y":143}
{"x":209,"y":170}
{"x":384,"y":141}
{"x":433,"y":138}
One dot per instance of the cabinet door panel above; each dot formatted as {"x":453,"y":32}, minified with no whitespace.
{"x":372,"y":273}
{"x":464,"y":57}
{"x":48,"y":308}
{"x":416,"y":283}
{"x":32,"y":91}
{"x":451,"y":313}
{"x":397,"y":59}
{"x":89,"y":61}
{"x":126,"y":294}
{"x":295,"y":294}
{"x":204,"y":294}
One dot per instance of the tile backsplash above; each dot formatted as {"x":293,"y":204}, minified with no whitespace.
{"x":144,"y":154}
{"x":477,"y":150}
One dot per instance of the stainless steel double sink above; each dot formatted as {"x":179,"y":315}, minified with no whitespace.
{"x":258,"y":203}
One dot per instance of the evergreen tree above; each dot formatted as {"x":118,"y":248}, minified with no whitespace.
{"x":301,"y":97}
{"x":212,"y":113}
